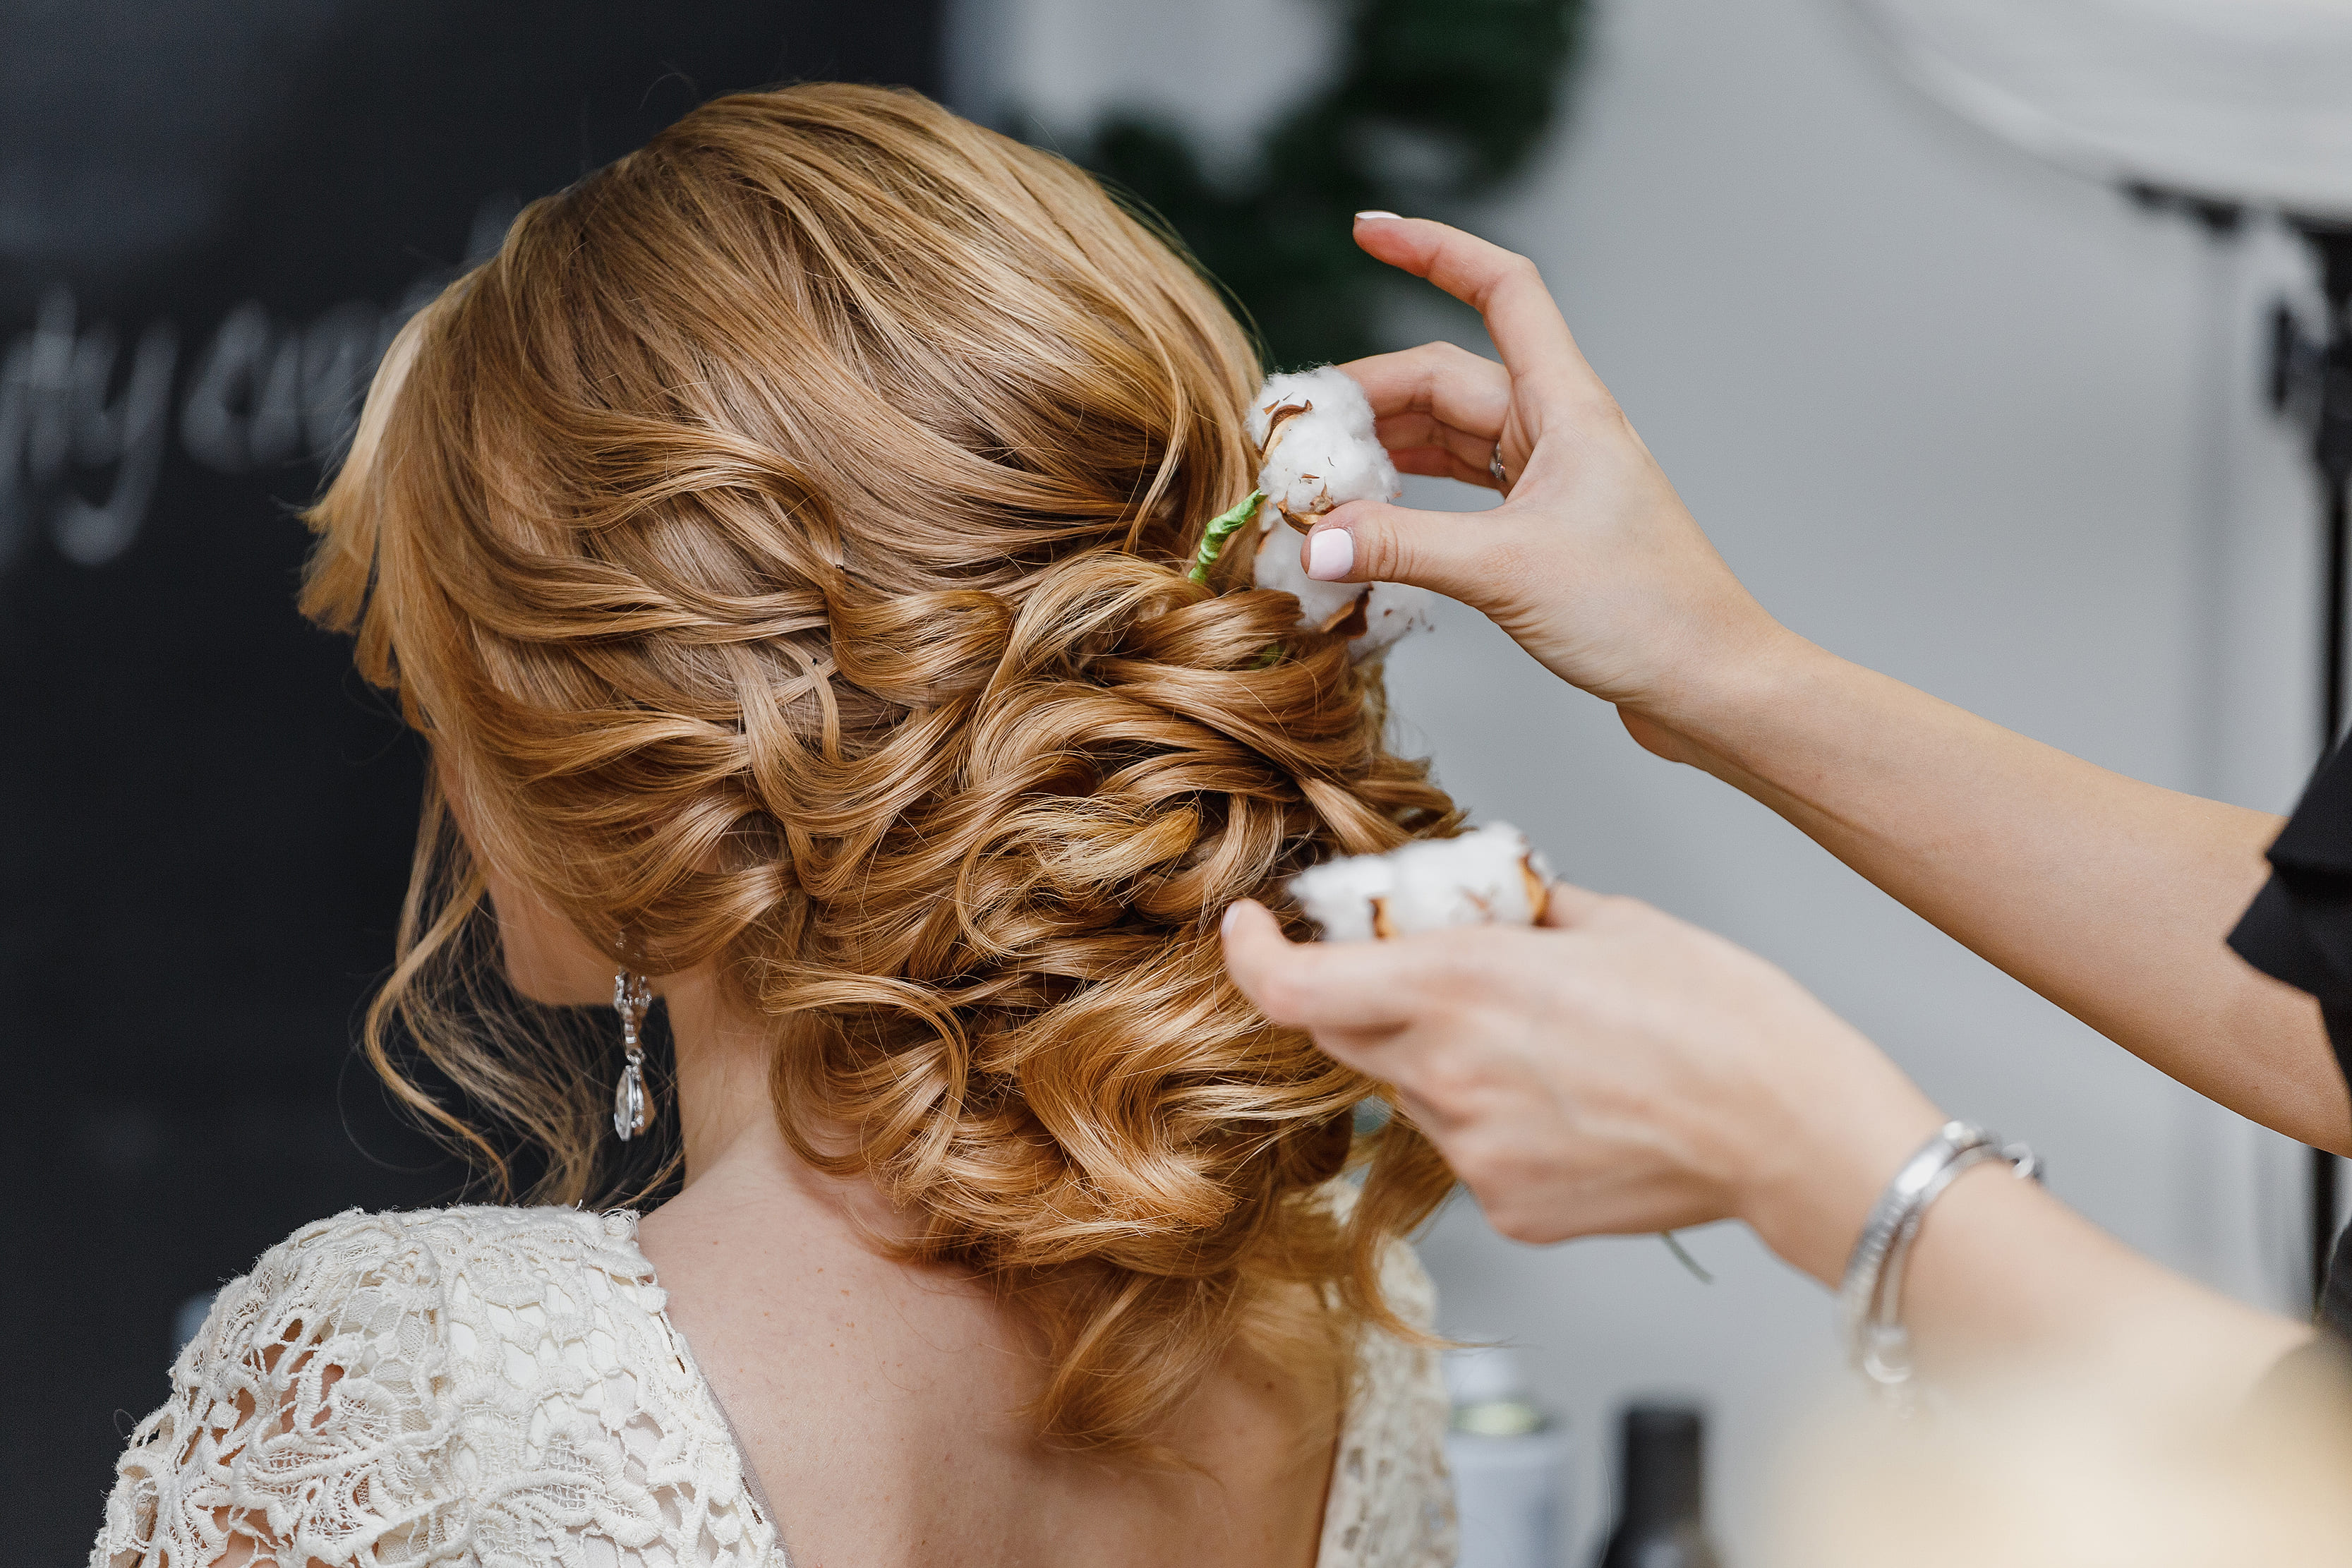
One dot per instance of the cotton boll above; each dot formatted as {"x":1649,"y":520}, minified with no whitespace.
{"x":1316,"y":444}
{"x":1343,"y":896}
{"x":1430,"y":893}
{"x":1317,"y":449}
{"x":1489,"y":877}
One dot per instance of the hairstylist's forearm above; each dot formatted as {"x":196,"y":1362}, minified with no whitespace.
{"x":2003,"y":1270}
{"x":2108,"y":895}
{"x":2002,"y":1273}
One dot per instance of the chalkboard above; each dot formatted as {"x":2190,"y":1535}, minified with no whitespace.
{"x":212,"y":213}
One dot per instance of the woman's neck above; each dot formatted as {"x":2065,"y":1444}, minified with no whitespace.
{"x":736,"y":1152}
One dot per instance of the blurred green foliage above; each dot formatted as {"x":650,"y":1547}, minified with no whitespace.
{"x":1433,"y":102}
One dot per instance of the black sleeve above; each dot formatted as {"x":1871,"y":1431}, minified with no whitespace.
{"x":2299,"y":930}
{"x":2299,"y":927}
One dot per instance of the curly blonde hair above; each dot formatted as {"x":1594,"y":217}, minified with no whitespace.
{"x":783,"y":535}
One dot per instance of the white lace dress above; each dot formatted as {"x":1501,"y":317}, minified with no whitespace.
{"x":501,"y":1387}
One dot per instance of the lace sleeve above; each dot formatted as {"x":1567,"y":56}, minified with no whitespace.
{"x":1391,"y":1499}
{"x":307,"y":1423}
{"x":475,"y":1385}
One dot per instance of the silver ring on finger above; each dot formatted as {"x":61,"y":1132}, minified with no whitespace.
{"x":1494,"y":467}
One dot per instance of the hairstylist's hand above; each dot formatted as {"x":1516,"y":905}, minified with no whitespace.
{"x":1591,"y":562}
{"x":1623,"y":1072}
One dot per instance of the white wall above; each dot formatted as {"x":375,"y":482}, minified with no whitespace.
{"x":1956,"y":417}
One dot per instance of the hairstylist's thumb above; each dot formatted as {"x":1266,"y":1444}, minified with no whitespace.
{"x":1458,"y":555}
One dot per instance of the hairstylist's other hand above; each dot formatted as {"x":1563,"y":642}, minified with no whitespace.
{"x":1622,"y":1072}
{"x":1591,"y":562}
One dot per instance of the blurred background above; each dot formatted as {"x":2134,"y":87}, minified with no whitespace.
{"x":1957,"y":416}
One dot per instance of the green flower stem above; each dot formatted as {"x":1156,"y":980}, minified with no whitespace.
{"x":1221,"y":527}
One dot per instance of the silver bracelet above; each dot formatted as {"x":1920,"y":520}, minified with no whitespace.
{"x":1870,"y":1299}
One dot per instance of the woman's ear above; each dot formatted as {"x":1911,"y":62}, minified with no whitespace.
{"x":547,"y":959}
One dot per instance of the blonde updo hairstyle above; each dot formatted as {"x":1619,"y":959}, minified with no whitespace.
{"x":783,"y":537}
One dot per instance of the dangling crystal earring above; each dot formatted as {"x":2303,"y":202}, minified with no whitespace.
{"x":633,"y":1104}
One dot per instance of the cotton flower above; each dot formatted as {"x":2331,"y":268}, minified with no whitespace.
{"x":1488,"y":877}
{"x":1317,"y":448}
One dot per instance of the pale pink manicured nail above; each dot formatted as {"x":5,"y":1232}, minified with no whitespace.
{"x":1233,"y":913}
{"x":1371,"y":213}
{"x":1330,"y":555}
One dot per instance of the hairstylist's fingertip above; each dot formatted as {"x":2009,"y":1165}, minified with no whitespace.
{"x":1330,"y":554}
{"x":1374,"y":215}
{"x":1233,"y":916}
